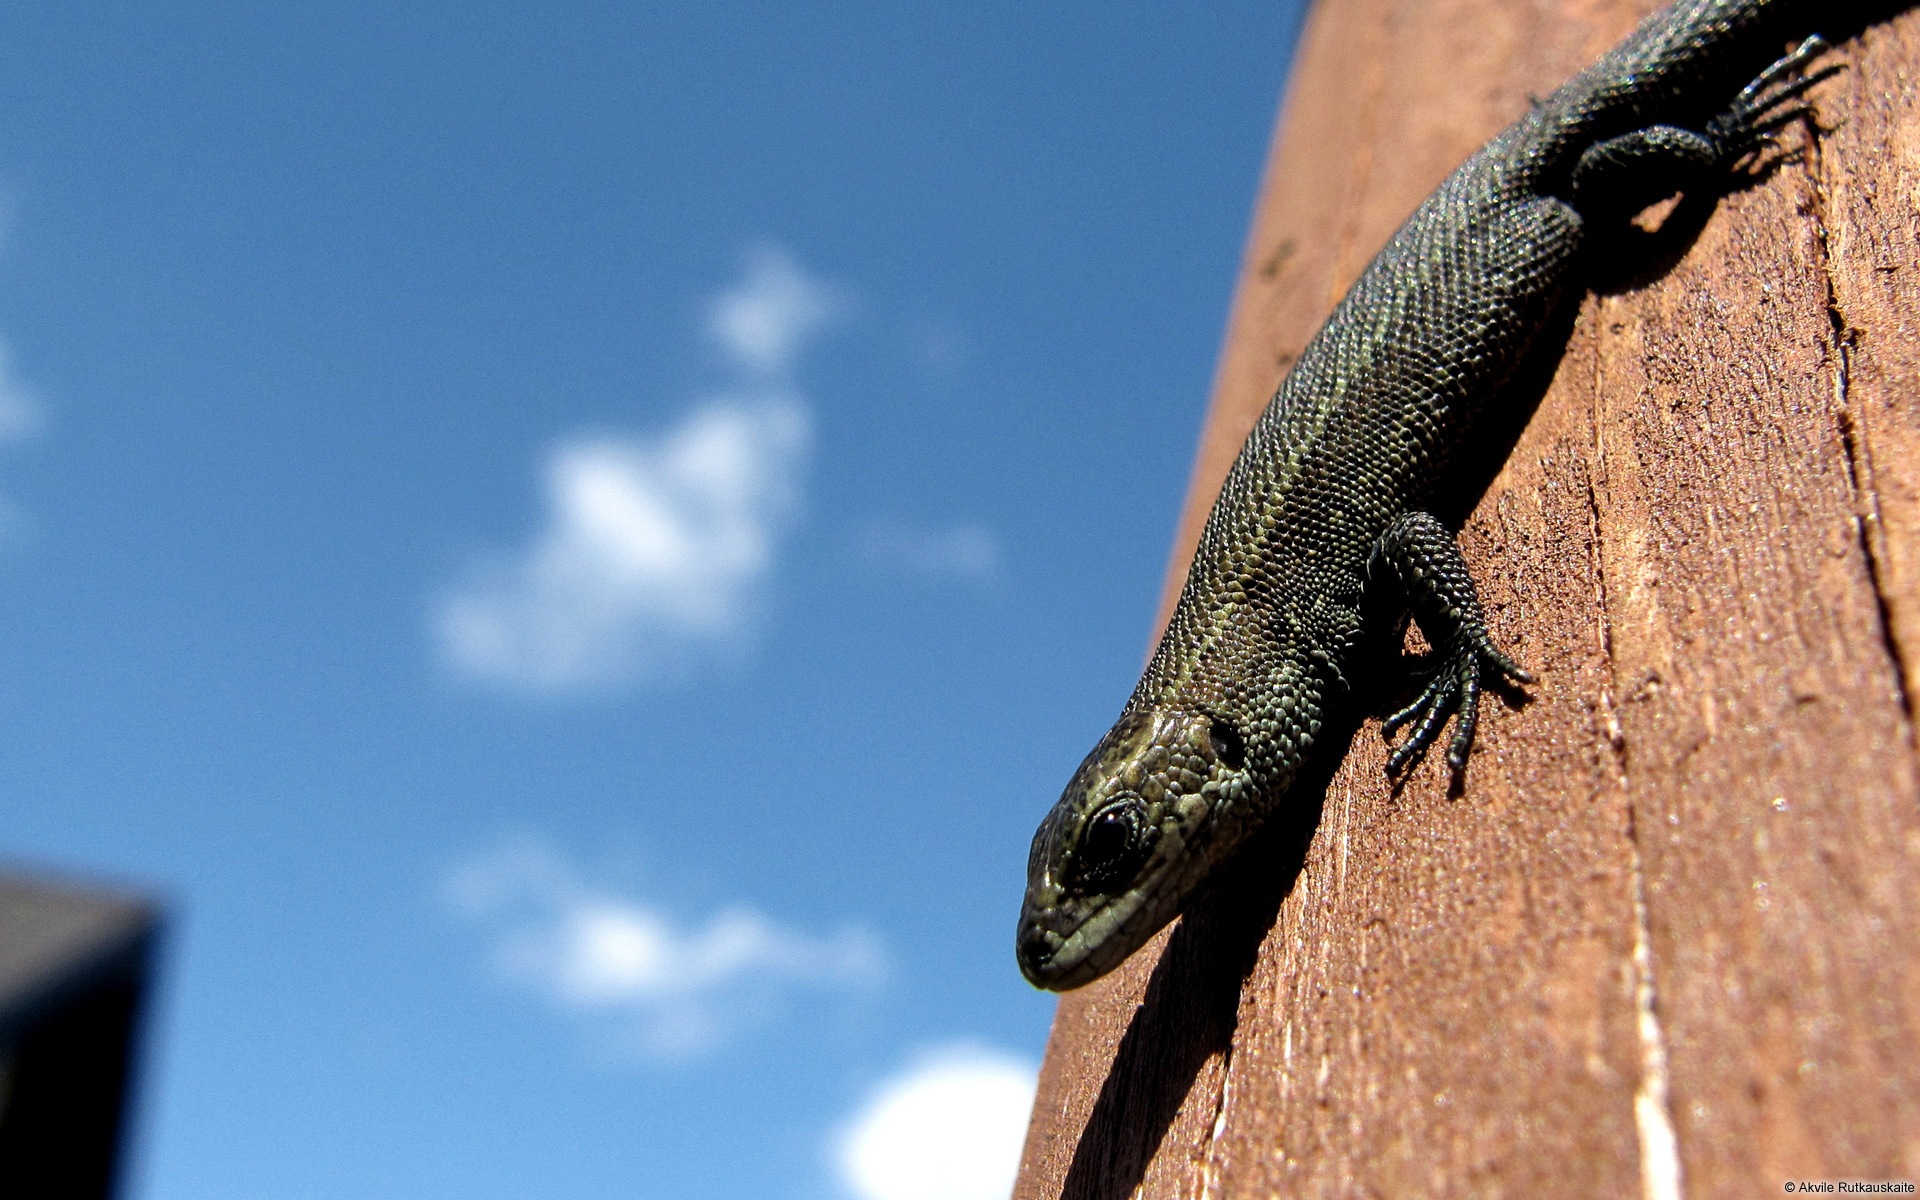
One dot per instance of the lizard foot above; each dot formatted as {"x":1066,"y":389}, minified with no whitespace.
{"x":1426,"y":561}
{"x":1455,"y":688}
{"x":1767,"y":103}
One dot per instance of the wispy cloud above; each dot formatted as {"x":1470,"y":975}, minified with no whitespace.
{"x":766,"y":319}
{"x":656,"y":547}
{"x":967,"y":551}
{"x":943,"y":346}
{"x":664,"y":988}
{"x":22,"y":415}
{"x":948,"y":1127}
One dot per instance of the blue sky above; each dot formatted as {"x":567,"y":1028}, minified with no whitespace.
{"x":573,"y":546}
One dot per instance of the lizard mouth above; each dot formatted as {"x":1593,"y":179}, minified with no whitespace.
{"x":1059,"y":953}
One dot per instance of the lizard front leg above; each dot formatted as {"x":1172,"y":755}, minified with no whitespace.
{"x":1424,"y":557}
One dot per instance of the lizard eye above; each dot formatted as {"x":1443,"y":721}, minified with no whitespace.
{"x":1227,"y":745}
{"x":1112,"y":845}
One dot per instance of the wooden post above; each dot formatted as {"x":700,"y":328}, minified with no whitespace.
{"x":1666,"y":939}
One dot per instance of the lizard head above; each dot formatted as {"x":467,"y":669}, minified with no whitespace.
{"x":1125,"y":845}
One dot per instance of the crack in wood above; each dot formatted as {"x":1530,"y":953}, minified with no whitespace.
{"x":1869,"y":529}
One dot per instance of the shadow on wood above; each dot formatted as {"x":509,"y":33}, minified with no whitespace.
{"x":1192,"y":999}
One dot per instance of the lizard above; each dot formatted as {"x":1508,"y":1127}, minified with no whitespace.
{"x":1327,"y":508}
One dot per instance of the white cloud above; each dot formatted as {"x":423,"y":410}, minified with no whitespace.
{"x":967,"y":551}
{"x":949,"y":1127}
{"x":765,"y":320}
{"x":666,"y":988}
{"x":655,"y":549}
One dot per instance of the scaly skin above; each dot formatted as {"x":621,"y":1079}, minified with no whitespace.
{"x":1327,"y":500}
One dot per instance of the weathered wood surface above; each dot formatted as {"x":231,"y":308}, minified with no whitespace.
{"x":1666,"y":940}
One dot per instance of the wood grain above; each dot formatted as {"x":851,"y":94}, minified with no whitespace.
{"x":1666,"y":939}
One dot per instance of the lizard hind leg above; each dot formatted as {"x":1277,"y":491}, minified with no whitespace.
{"x":1433,"y":578}
{"x":1618,"y":177}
